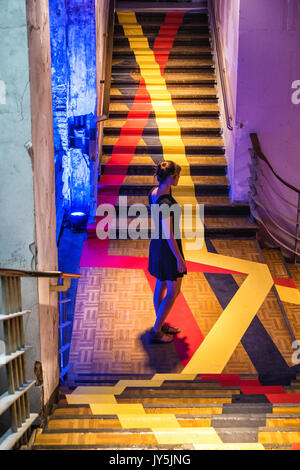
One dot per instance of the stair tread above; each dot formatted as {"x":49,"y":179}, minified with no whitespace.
{"x":179,"y":106}
{"x":178,"y":63}
{"x":195,"y":160}
{"x":152,"y":123}
{"x":161,"y":49}
{"x":169,"y":77}
{"x":140,"y":180}
{"x":170,"y":142}
{"x":160,"y":93}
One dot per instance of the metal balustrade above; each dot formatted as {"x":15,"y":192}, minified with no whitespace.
{"x":281,"y":223}
{"x":15,"y":398}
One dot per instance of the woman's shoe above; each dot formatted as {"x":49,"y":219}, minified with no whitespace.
{"x":170,"y":330}
{"x":160,"y":337}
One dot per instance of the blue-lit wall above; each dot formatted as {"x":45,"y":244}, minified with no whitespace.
{"x":73,"y":62}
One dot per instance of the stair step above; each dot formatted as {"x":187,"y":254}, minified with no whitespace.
{"x":176,"y":51}
{"x":202,"y":40}
{"x":154,"y":27}
{"x":178,"y":409}
{"x":159,"y":17}
{"x":196,"y":166}
{"x":160,"y":93}
{"x":133,"y":392}
{"x":175,"y":78}
{"x":199,"y":145}
{"x":183,"y":109}
{"x":278,"y":435}
{"x":179,"y":65}
{"x":187,"y":126}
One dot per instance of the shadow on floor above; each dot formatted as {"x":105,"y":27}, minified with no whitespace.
{"x":164,"y":358}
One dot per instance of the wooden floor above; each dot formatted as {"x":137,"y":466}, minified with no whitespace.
{"x":114,"y":312}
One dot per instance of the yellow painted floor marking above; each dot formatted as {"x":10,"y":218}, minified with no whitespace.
{"x":149,"y":421}
{"x":161,"y":108}
{"x":187,"y":436}
{"x":116,"y":409}
{"x":74,"y":399}
{"x":288,"y":294}
{"x":241,"y":446}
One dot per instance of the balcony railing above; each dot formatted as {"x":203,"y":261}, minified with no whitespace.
{"x":280,"y":221}
{"x":14,"y":399}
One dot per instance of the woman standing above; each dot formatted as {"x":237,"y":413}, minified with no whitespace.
{"x":166,"y":258}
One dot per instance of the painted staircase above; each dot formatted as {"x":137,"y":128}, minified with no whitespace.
{"x":163,"y":412}
{"x":190,"y":77}
{"x":204,"y":413}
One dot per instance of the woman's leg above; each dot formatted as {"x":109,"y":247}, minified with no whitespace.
{"x":173,"y":289}
{"x":159,"y":294}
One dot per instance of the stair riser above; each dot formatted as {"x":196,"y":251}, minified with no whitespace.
{"x":180,"y":55}
{"x":159,"y":18}
{"x":134,"y":67}
{"x":178,"y":41}
{"x":215,"y":211}
{"x":200,"y":190}
{"x":149,"y":150}
{"x":149,"y":170}
{"x":192,"y":97}
{"x":119,"y":82}
{"x":109,"y":131}
{"x":123,"y":114}
{"x":194,"y":28}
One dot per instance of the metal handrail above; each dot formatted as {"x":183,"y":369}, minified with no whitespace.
{"x":257,"y":156}
{"x":220,"y":65}
{"x":16,"y":398}
{"x":260,"y":154}
{"x":109,"y":37}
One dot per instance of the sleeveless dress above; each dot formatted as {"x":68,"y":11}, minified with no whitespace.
{"x":162,"y":261}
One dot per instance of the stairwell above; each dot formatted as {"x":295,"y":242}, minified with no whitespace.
{"x":190,"y":78}
{"x":207,"y":413}
{"x":163,"y":412}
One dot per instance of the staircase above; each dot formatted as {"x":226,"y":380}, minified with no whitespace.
{"x":213,"y":413}
{"x":190,"y":77}
{"x":165,"y":411}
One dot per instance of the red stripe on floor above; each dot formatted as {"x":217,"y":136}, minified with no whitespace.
{"x":283,"y":397}
{"x":285,"y":282}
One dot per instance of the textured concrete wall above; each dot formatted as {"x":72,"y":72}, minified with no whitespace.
{"x":262,"y":59}
{"x":17,"y":227}
{"x":73,"y":55}
{"x":16,"y":176}
{"x":269,"y":62}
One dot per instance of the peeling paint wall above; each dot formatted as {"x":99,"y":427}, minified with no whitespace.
{"x":73,"y":54}
{"x":17,"y":223}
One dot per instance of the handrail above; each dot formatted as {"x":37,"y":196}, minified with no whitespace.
{"x":256,"y":204}
{"x":16,"y":397}
{"x":26,"y":273}
{"x":109,"y":36}
{"x":220,"y":65}
{"x":260,"y":154}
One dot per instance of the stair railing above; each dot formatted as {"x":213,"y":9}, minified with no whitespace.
{"x":280,"y":223}
{"x":15,"y":399}
{"x":220,"y":68}
{"x":109,"y":42}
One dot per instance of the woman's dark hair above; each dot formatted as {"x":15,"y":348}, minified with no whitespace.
{"x":166,"y":168}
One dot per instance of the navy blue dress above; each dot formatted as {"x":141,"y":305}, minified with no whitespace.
{"x":162,"y":261}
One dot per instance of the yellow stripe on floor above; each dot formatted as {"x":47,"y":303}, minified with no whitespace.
{"x":175,"y":144}
{"x":288,"y":294}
